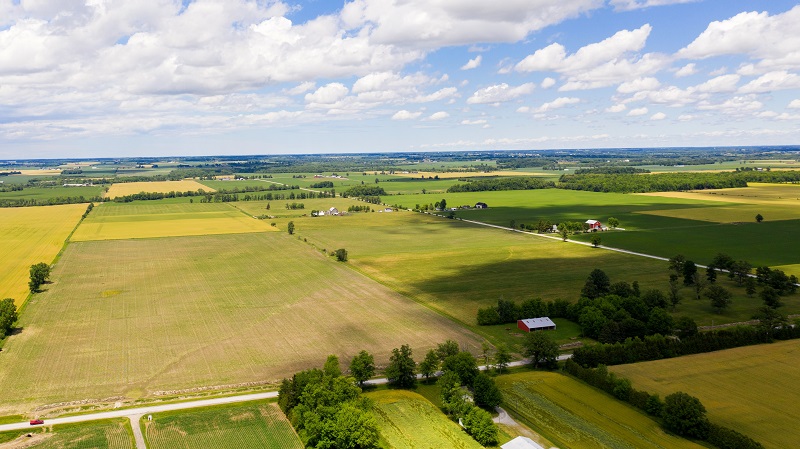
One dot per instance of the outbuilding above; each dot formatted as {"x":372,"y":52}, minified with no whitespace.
{"x":594,"y":225}
{"x":536,"y":324}
{"x":521,"y":443}
{"x":481,"y":206}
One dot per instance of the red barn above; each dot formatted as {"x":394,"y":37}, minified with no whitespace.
{"x":594,"y":225}
{"x":536,"y":324}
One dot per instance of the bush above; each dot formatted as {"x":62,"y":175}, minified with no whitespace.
{"x":685,"y":415}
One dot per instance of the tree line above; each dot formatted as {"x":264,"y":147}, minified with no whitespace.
{"x":501,"y":184}
{"x":364,"y":191}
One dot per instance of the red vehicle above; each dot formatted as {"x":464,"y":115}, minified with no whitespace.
{"x":35,"y":422}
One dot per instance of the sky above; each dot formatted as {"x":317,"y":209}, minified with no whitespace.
{"x":114,"y":78}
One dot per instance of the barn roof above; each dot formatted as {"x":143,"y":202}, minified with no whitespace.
{"x":521,"y":443}
{"x":536,"y":323}
{"x":592,"y":221}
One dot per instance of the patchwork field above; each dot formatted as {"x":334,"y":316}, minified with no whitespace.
{"x":31,"y":235}
{"x":147,"y":219}
{"x":130,"y":188}
{"x":754,"y":389}
{"x":253,"y":426}
{"x":407,"y":420}
{"x":46,"y":193}
{"x":128,"y":318}
{"x":572,"y":414}
{"x":108,"y":434}
{"x":278,"y":209}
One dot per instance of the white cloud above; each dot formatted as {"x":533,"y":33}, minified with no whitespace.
{"x":724,"y":83}
{"x":405,"y":115}
{"x":772,"y":81}
{"x":548,"y":83}
{"x":736,"y":105}
{"x":472,"y":63}
{"x":686,"y":117}
{"x":558,"y":103}
{"x":658,"y":116}
{"x":302,"y":88}
{"x":629,"y":5}
{"x":637,"y":112}
{"x":473,"y":122}
{"x":794,"y":104}
{"x":499,"y":93}
{"x":327,"y":94}
{"x":616,"y":108}
{"x":787,"y":116}
{"x":524,"y":109}
{"x":439,"y":115}
{"x":638,"y":84}
{"x":687,"y":70}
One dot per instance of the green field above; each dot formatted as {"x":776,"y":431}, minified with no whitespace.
{"x":252,"y":426}
{"x":571,"y":414}
{"x":407,"y":420}
{"x":754,"y":389}
{"x":45,"y":193}
{"x":108,"y":434}
{"x":132,"y":317}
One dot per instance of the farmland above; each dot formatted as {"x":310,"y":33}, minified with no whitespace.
{"x":108,"y":434}
{"x":147,"y":219}
{"x":252,"y":426}
{"x":752,"y":389}
{"x":130,"y":188}
{"x":31,"y":235}
{"x":572,"y":414}
{"x":133,"y":317}
{"x":46,"y":193}
{"x":407,"y":420}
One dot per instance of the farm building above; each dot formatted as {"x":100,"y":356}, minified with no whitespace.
{"x":521,"y":443}
{"x":536,"y":324}
{"x":481,"y":206}
{"x":333,"y":211}
{"x":594,"y":225}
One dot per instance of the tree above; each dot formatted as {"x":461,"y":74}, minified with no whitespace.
{"x":350,"y":427}
{"x":541,"y":349}
{"x":290,"y":228}
{"x":674,"y":293}
{"x":400,"y":370}
{"x":362,"y":367}
{"x":597,"y":284}
{"x":8,"y":316}
{"x":613,"y":222}
{"x":596,"y":240}
{"x":592,"y":321}
{"x":331,"y":367}
{"x":429,"y":365}
{"x":689,"y":270}
{"x":676,"y":263}
{"x":452,"y":395}
{"x":654,"y":298}
{"x":711,"y":274}
{"x":770,"y":320}
{"x":341,"y":255}
{"x":501,"y":358}
{"x":268,"y":206}
{"x":39,"y":273}
{"x":564,"y":233}
{"x":486,"y":393}
{"x":685,"y":415}
{"x":740,"y":270}
{"x":463,"y":364}
{"x":443,"y":204}
{"x":685,"y":326}
{"x":478,"y":423}
{"x":719,"y":296}
{"x":759,"y":218}
{"x":770,"y":297}
{"x":446,"y":349}
{"x":750,"y":286}
{"x":699,"y":284}
{"x":486,"y":349}
{"x":660,"y":322}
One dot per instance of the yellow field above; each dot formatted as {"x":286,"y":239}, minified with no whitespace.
{"x":40,"y":172}
{"x":113,"y":221}
{"x":754,"y":390}
{"x":756,"y":193}
{"x":130,"y":188}
{"x":31,"y":235}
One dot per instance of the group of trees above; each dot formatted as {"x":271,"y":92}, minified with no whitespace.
{"x":322,"y":185}
{"x":668,"y":182}
{"x":295,"y":206}
{"x":501,"y":184}
{"x":363,"y":191}
{"x":39,"y":273}
{"x":8,"y":316}
{"x":359,"y":208}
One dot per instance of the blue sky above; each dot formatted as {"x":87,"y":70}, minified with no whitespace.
{"x":166,"y":77}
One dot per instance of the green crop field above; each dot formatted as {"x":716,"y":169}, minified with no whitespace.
{"x":754,"y":390}
{"x":133,"y":317}
{"x":572,"y":414}
{"x":278,"y":208}
{"x":407,"y":420}
{"x":45,"y":193}
{"x":146,"y":219}
{"x":252,"y":426}
{"x":108,"y":434}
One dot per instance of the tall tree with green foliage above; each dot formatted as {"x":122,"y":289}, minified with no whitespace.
{"x":486,"y":393}
{"x":446,"y":349}
{"x":331,"y":367}
{"x":290,"y":228}
{"x":429,"y":365}
{"x":597,"y":284}
{"x":39,"y":273}
{"x":478,"y":424}
{"x":8,"y":316}
{"x":613,"y":222}
{"x":685,"y":415}
{"x":362,"y":367}
{"x":542,"y":350}
{"x":463,"y":364}
{"x":759,"y":218}
{"x":596,"y":240}
{"x":400,"y":370}
{"x":719,"y":296}
{"x":501,"y":358}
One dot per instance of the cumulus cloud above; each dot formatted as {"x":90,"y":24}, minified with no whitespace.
{"x":687,"y":70}
{"x":735,"y":105}
{"x":629,"y":5}
{"x":658,"y":116}
{"x":439,"y":115}
{"x":472,"y":63}
{"x":499,"y":93}
{"x":548,"y":83}
{"x":638,"y":84}
{"x":616,"y":108}
{"x":327,"y":94}
{"x":724,"y":83}
{"x":473,"y":122}
{"x":637,"y":112}
{"x":772,"y":81}
{"x":302,"y":88}
{"x":686,"y":117}
{"x":794,"y":104}
{"x":558,"y":103}
{"x":405,"y":115}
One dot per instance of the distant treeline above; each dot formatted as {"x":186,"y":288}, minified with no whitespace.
{"x":30,"y":202}
{"x":364,"y":191}
{"x":610,"y":171}
{"x":501,"y":184}
{"x":322,"y":185}
{"x":671,"y":182}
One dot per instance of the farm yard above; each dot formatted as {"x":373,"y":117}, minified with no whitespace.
{"x":128,"y":318}
{"x":31,"y":235}
{"x":571,"y":414}
{"x":179,"y":217}
{"x":108,"y":434}
{"x":753,"y":389}
{"x":252,"y":426}
{"x":130,"y":188}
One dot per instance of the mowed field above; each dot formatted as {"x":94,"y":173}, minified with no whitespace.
{"x":754,"y":389}
{"x":574,"y":415}
{"x":107,"y":434}
{"x":252,"y":426}
{"x":130,"y":188}
{"x":147,"y":219}
{"x":127,"y":318}
{"x":407,"y":420}
{"x":31,"y":235}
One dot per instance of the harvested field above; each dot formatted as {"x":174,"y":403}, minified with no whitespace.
{"x":31,"y":235}
{"x":134,"y":317}
{"x":130,"y":188}
{"x":253,"y":426}
{"x":148,"y":219}
{"x":754,"y":389}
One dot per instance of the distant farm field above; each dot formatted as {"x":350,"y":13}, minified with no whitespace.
{"x":46,"y":193}
{"x":252,"y":426}
{"x":754,"y":390}
{"x":130,"y":318}
{"x":572,"y":414}
{"x":107,"y":434}
{"x":130,"y":188}
{"x":407,"y":420}
{"x":279,"y":209}
{"x":31,"y":235}
{"x":146,"y":219}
